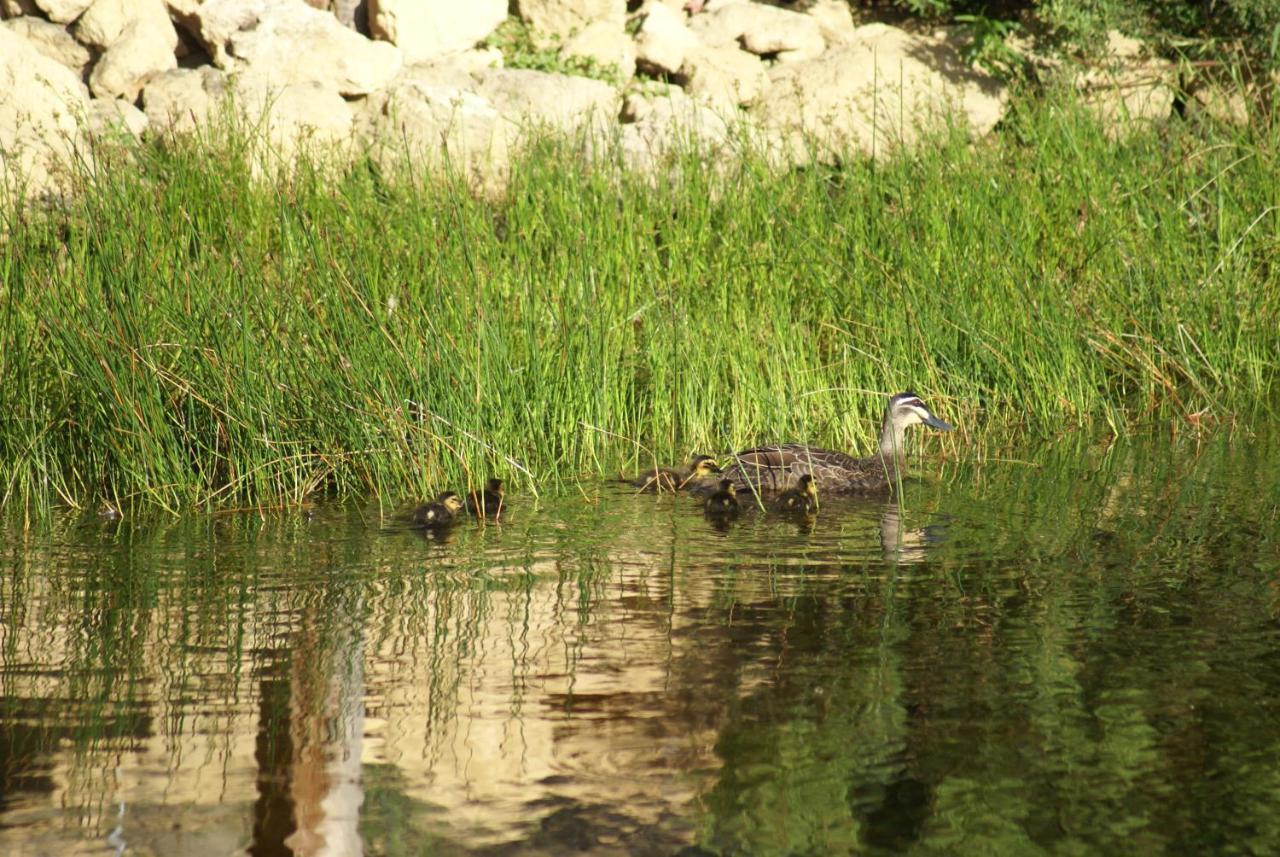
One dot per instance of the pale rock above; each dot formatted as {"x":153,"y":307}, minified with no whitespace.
{"x":105,"y":20}
{"x":880,"y":92}
{"x":63,"y":11}
{"x":663,"y":40}
{"x":835,"y":21}
{"x":464,"y":62}
{"x":659,"y":126}
{"x":184,"y":99}
{"x":605,"y":42}
{"x":140,"y":43}
{"x":1126,"y":92}
{"x":1227,"y":105}
{"x":293,"y":119}
{"x":111,"y":116}
{"x":723,"y":76}
{"x":555,"y":20}
{"x":289,"y":42}
{"x":40,"y":116}
{"x":183,"y":9}
{"x":562,"y":103}
{"x":53,"y":41}
{"x":18,"y":8}
{"x":423,"y":29}
{"x":446,"y":129}
{"x":762,"y":30}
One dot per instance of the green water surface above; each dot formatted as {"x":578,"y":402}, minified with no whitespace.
{"x":1072,"y":649}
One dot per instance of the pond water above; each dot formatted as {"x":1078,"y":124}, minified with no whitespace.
{"x":1067,"y":650}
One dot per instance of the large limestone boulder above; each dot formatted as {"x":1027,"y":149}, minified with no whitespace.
{"x":114,"y":116}
{"x":63,"y":11}
{"x":663,"y":40}
{"x":558,"y":19}
{"x":138,"y":40}
{"x":287,"y":42}
{"x":562,"y":103}
{"x":183,"y":100}
{"x":724,"y":77}
{"x":882,"y":91}
{"x":1127,"y":91}
{"x":762,"y":30}
{"x":661,"y":128}
{"x":835,"y":21}
{"x":421,"y":122}
{"x":40,"y":114}
{"x":53,"y":41}
{"x":423,"y":29}
{"x":605,"y":42}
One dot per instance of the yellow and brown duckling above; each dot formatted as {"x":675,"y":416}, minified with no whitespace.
{"x":487,"y":503}
{"x":803,"y":498}
{"x":441,"y":512}
{"x":662,"y":480}
{"x":724,"y":502}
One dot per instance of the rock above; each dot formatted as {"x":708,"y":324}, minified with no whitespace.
{"x":423,"y":29}
{"x":53,"y":41}
{"x":289,"y":42}
{"x":607,"y":43}
{"x":723,"y":76}
{"x":563,"y":103}
{"x":558,"y":19}
{"x":762,"y":30}
{"x":140,"y":43}
{"x":1126,"y":92}
{"x":660,"y":128}
{"x":182,"y":100}
{"x":18,"y":8}
{"x":881,"y":91}
{"x":296,"y":119}
{"x":1228,"y":105}
{"x":663,"y":40}
{"x":416,"y":123}
{"x":63,"y":11}
{"x":39,"y":129}
{"x":112,"y":116}
{"x":835,"y":21}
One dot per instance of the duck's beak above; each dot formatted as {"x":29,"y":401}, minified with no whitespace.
{"x":934,"y":422}
{"x":715,"y":468}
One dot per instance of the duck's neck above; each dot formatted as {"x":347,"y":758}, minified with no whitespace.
{"x":892,"y":437}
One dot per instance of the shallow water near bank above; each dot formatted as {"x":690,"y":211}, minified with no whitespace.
{"x":1071,"y":649}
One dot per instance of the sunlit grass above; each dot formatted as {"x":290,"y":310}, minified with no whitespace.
{"x":181,"y":334}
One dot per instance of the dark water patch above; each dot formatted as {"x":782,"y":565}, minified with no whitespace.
{"x":1075,"y":651}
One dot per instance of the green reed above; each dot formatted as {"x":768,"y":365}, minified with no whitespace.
{"x":182,"y":333}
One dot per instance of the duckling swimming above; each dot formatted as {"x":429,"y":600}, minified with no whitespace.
{"x":724,"y":502}
{"x":671,"y":479}
{"x":776,"y":468}
{"x":802,"y":498}
{"x":488,"y":502}
{"x":441,"y":512}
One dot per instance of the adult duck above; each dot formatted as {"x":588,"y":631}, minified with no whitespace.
{"x":771,"y":469}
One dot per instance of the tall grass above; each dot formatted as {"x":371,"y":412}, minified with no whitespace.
{"x":181,"y":334}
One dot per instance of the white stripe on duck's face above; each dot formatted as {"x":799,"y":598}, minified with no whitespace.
{"x":908,"y":410}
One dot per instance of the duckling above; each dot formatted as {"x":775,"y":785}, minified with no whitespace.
{"x":671,"y":479}
{"x":441,"y":512}
{"x":724,"y":502}
{"x":802,"y":498}
{"x":487,"y":503}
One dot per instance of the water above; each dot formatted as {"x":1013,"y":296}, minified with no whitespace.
{"x":1071,"y":650}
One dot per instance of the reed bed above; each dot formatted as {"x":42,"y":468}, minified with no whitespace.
{"x":183,"y":335}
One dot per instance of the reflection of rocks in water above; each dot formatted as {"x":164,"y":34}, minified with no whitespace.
{"x":906,"y":544}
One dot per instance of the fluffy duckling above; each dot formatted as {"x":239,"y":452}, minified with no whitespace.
{"x":488,"y":502}
{"x":724,"y":502}
{"x":803,"y":498}
{"x":671,"y":479}
{"x":441,"y":512}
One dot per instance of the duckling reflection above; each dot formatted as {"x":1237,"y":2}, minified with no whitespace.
{"x":701,"y":470}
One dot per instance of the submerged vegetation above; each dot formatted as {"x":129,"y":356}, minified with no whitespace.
{"x":181,"y":334}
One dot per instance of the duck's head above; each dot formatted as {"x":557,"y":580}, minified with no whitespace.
{"x":728,"y":487}
{"x":906,"y":409}
{"x":494,"y":486}
{"x":450,"y":501}
{"x":808,"y":486}
{"x":703,"y":465}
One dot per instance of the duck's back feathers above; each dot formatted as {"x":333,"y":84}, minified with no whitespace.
{"x":776,"y":468}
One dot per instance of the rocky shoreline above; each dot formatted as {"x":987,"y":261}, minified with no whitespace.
{"x":415,"y":78}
